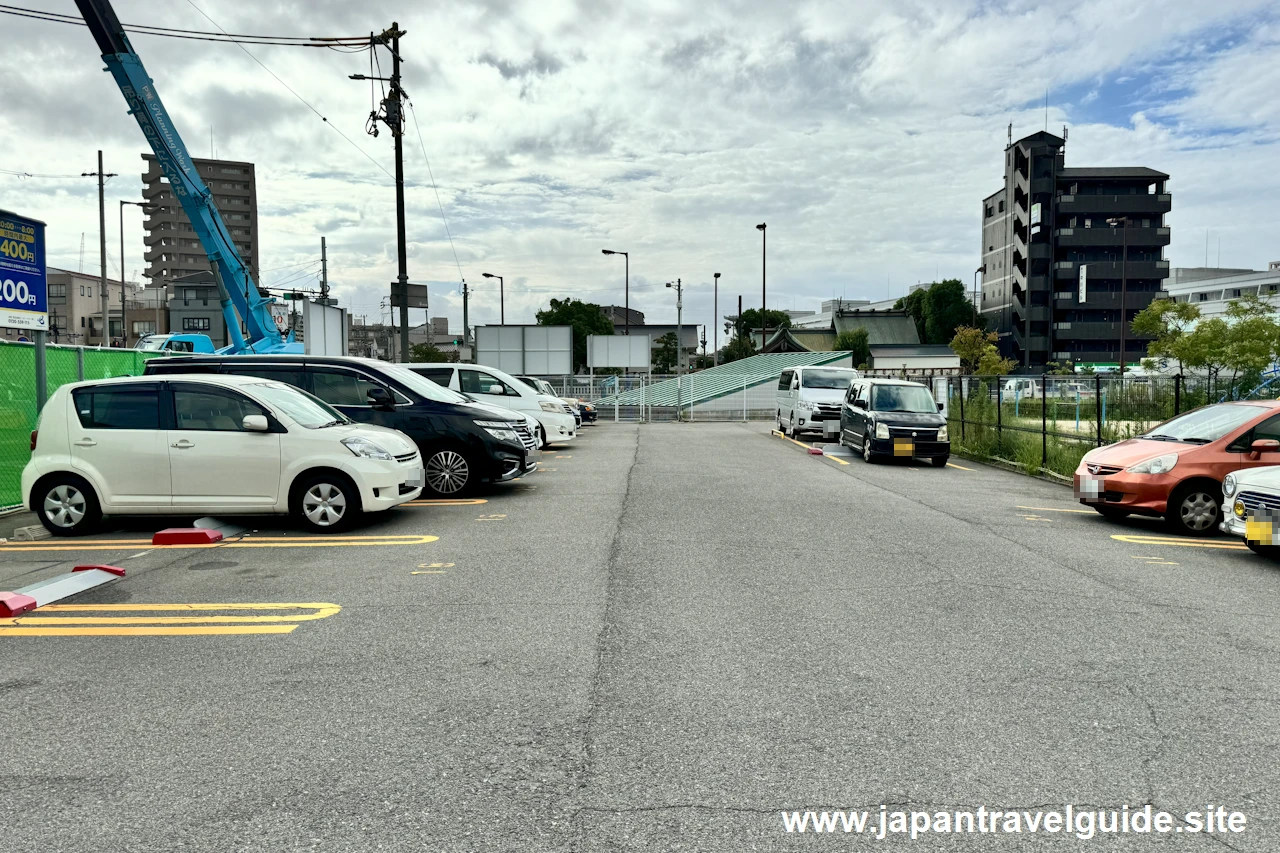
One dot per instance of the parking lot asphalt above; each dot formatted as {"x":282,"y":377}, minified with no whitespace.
{"x":659,"y":641}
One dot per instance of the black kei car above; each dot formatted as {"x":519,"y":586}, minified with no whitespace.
{"x":462,"y":442}
{"x":883,"y":418}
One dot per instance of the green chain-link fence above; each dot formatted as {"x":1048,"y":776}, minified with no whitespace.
{"x":18,"y":397}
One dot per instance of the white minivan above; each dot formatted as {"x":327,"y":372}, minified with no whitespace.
{"x":809,"y":399}
{"x":203,"y":444}
{"x":493,"y":386}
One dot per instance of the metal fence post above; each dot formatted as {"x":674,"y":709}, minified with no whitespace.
{"x":42,"y":375}
{"x":1177,"y":393}
{"x":79,"y":364}
{"x":962,"y":408}
{"x":1044,"y":421}
{"x":1097,"y":404}
{"x":999,"y":409}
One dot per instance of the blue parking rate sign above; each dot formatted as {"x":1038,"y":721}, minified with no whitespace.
{"x":24,"y":297}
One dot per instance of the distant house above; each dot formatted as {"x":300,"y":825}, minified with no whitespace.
{"x":914,"y":359}
{"x":817,"y":333}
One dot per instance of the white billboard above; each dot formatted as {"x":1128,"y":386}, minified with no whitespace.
{"x":324,"y":329}
{"x":536,"y":350}
{"x":625,"y":351}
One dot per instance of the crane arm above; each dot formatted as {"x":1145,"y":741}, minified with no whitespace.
{"x":236,"y":289}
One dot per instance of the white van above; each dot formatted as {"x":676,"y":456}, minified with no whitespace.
{"x":493,"y":386}
{"x":1022,"y":389}
{"x":809,"y":399}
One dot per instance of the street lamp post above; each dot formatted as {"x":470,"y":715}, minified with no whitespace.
{"x":980,"y":269}
{"x":626,"y":308}
{"x":764,"y":290}
{"x":679,"y":341}
{"x":124,"y":331}
{"x":502,"y":298}
{"x":1123,"y":222}
{"x":715,"y":327}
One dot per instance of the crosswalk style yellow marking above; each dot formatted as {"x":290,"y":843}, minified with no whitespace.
{"x":247,"y":542}
{"x":100,"y":620}
{"x":1180,"y":542}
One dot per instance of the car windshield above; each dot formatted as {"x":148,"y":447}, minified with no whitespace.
{"x":835,"y":379}
{"x":151,"y":344}
{"x":303,"y":408}
{"x":1205,"y":425}
{"x":903,"y":398}
{"x":424,"y":386}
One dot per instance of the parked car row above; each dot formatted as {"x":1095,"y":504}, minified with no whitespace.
{"x":323,"y":438}
{"x":1191,"y":467}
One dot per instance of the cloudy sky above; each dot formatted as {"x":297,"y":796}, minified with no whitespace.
{"x":865,"y":132}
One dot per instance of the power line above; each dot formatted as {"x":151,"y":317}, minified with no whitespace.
{"x":443,"y":218}
{"x":359,"y":42}
{"x":296,"y":95}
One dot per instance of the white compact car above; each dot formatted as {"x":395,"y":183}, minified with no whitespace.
{"x":202,"y":444}
{"x":497,"y":388}
{"x":1251,"y":508}
{"x":809,"y":399}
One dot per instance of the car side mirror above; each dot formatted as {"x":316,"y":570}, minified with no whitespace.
{"x":940,"y":407}
{"x":1263,"y":445}
{"x":494,"y":389}
{"x":380,"y":399}
{"x":254,"y":423}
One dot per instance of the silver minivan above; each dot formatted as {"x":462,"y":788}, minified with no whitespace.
{"x":809,"y":398}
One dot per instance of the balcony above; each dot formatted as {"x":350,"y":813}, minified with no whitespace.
{"x":1074,"y":237}
{"x":1088,"y":332}
{"x":1108,"y":270}
{"x":1115,"y":205}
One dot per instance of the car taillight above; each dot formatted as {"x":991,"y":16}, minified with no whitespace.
{"x":34,"y":433}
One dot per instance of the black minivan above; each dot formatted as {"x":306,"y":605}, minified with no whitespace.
{"x":893,"y":417}
{"x":462,"y":442}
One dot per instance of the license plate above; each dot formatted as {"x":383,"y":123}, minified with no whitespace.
{"x":1089,"y":488}
{"x":1261,"y":530}
{"x":903,"y":447}
{"x":414,"y":480}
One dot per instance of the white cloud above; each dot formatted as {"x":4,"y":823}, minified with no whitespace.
{"x":865,"y":134}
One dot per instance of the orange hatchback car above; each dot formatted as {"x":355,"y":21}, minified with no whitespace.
{"x":1176,"y":469}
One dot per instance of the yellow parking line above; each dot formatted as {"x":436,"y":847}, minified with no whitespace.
{"x":214,"y":619}
{"x":961,"y":467}
{"x":1179,"y":542}
{"x":1055,"y":509}
{"x":446,"y":502}
{"x":792,"y":440}
{"x":836,"y":459}
{"x":254,"y":542}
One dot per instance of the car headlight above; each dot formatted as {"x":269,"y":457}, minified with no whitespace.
{"x":550,"y":407}
{"x":500,"y":430}
{"x":364,"y":447}
{"x":1229,"y":485}
{"x":1237,"y":509}
{"x":882,"y":430}
{"x":943,"y":435}
{"x":1158,"y":465}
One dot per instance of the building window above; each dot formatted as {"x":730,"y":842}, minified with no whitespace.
{"x":1235,"y":294}
{"x":57,"y":291}
{"x":82,"y":290}
{"x":1202,"y":297}
{"x":989,"y":212}
{"x":1001,"y":208}
{"x":195,"y":324}
{"x":144,"y":327}
{"x":82,"y":322}
{"x":90,"y":291}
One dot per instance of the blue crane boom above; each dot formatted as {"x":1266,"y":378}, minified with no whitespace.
{"x":236,"y":289}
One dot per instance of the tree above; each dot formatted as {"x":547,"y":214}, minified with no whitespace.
{"x":939,"y":310}
{"x":854,"y":341}
{"x":740,"y":346}
{"x":1061,"y":368}
{"x":991,"y":364}
{"x":586,"y":318}
{"x":971,"y":345}
{"x":666,"y":356}
{"x":750,"y":319}
{"x":428,"y":353}
{"x":1168,"y":322}
{"x":1250,"y":345}
{"x":947,"y":307}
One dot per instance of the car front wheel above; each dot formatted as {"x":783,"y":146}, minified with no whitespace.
{"x":868,"y":455}
{"x":326,"y":503}
{"x":449,"y":472}
{"x":67,"y":505}
{"x":1195,"y":510}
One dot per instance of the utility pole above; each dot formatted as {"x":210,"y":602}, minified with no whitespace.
{"x":715,"y":329}
{"x":392,"y":115}
{"x":466,"y":318}
{"x":324,"y":274}
{"x":764,"y":289}
{"x":102,"y":242}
